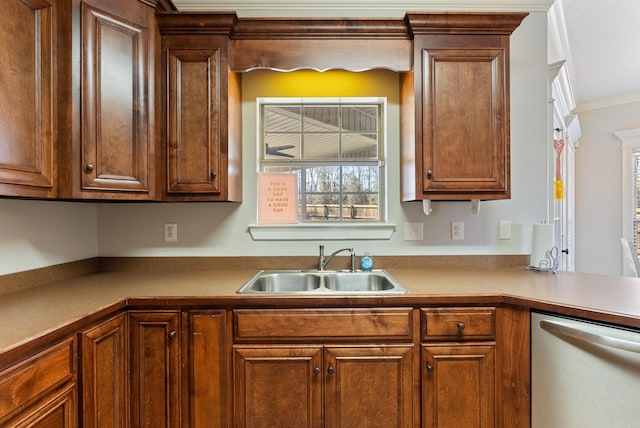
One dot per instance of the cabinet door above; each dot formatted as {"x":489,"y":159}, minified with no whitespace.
{"x":464,"y":123}
{"x":278,"y":386}
{"x":193,"y":127}
{"x":202,"y":133}
{"x":155,"y":369}
{"x":58,"y":411}
{"x":104,"y":354}
{"x":369,"y":386}
{"x":27,"y":117}
{"x":116,"y":97}
{"x":458,"y":386}
{"x":208,"y":386}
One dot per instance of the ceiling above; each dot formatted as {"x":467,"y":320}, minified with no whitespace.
{"x":602,"y":49}
{"x":600,"y":40}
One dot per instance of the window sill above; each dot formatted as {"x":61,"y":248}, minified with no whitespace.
{"x":312,"y":232}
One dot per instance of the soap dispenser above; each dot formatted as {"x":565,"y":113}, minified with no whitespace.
{"x":366,"y":262}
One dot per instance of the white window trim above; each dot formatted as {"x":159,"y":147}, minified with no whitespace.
{"x":326,"y":231}
{"x":320,"y":231}
{"x":630,"y":140}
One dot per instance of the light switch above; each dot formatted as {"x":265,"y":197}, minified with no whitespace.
{"x":413,"y":231}
{"x":504,"y":229}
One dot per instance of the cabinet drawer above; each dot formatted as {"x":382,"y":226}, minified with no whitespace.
{"x":286,"y":325}
{"x":36,"y":376}
{"x":458,"y":324}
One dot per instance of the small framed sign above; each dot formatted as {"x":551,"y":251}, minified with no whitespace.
{"x":278,"y":198}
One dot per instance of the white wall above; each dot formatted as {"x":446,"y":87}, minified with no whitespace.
{"x":598,"y":169}
{"x":216,"y":229}
{"x":35,"y":234}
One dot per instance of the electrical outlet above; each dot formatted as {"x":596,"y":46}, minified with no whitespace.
{"x":457,"y":230}
{"x":171,"y":232}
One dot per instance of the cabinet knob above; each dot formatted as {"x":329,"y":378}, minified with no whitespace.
{"x":430,"y":173}
{"x":172,"y":334}
{"x":461,"y":326}
{"x":316,"y":370}
{"x":89,"y":167}
{"x":429,"y":368}
{"x":213,"y":174}
{"x":331,"y":370}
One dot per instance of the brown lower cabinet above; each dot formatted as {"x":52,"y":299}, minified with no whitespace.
{"x":459,"y":366}
{"x":458,"y":386}
{"x":41,"y":391}
{"x":155,"y":368}
{"x":104,"y":367}
{"x":323,"y":386}
{"x":207,"y":380}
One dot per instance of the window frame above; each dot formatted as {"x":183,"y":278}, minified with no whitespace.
{"x":629,"y":141}
{"x":338,"y":230}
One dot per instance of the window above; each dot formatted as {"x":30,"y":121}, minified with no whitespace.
{"x":335,"y":147}
{"x":630,"y":171}
{"x":636,"y":198}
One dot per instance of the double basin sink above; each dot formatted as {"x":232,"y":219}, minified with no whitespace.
{"x":321,"y":282}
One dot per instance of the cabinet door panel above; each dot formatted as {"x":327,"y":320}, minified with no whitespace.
{"x":464,"y":110}
{"x":104,"y":354}
{"x":57,"y":412}
{"x":369,"y":386}
{"x":27,"y":103}
{"x":155,"y":365}
{"x":194,"y":121}
{"x":458,"y":388}
{"x":278,"y":386}
{"x":115,"y":66}
{"x":208,"y":379}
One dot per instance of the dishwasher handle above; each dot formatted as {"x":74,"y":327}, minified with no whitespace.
{"x":560,"y":329}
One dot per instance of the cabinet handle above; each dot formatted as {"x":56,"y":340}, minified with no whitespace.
{"x":316,"y":370}
{"x":460,"y":325}
{"x":331,"y":370}
{"x":213,"y":175}
{"x":172,"y":334}
{"x":429,"y":368}
{"x":558,"y":328}
{"x":89,"y":167}
{"x":430,"y":173}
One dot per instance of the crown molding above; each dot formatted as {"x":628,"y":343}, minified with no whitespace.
{"x":358,"y":8}
{"x":608,"y":102}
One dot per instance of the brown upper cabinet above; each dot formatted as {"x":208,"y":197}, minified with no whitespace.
{"x":455,"y":107}
{"x":201,"y":132}
{"x":121,"y":102}
{"x":107,"y":144}
{"x":28,"y":100}
{"x":78,"y":95}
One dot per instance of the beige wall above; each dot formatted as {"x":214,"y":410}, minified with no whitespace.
{"x":598,"y":200}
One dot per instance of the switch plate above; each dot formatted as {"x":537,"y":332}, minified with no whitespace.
{"x":413,"y":231}
{"x":171,"y":232}
{"x":457,"y":230}
{"x":504,"y":229}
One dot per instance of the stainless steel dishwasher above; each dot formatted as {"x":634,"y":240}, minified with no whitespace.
{"x":583,"y":374}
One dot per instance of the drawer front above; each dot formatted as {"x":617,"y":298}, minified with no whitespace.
{"x":458,"y":324}
{"x":287,"y":325}
{"x":36,"y":376}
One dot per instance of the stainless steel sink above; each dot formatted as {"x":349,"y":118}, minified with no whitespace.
{"x":321,"y":282}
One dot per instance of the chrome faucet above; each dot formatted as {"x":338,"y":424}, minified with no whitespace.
{"x":322,"y":262}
